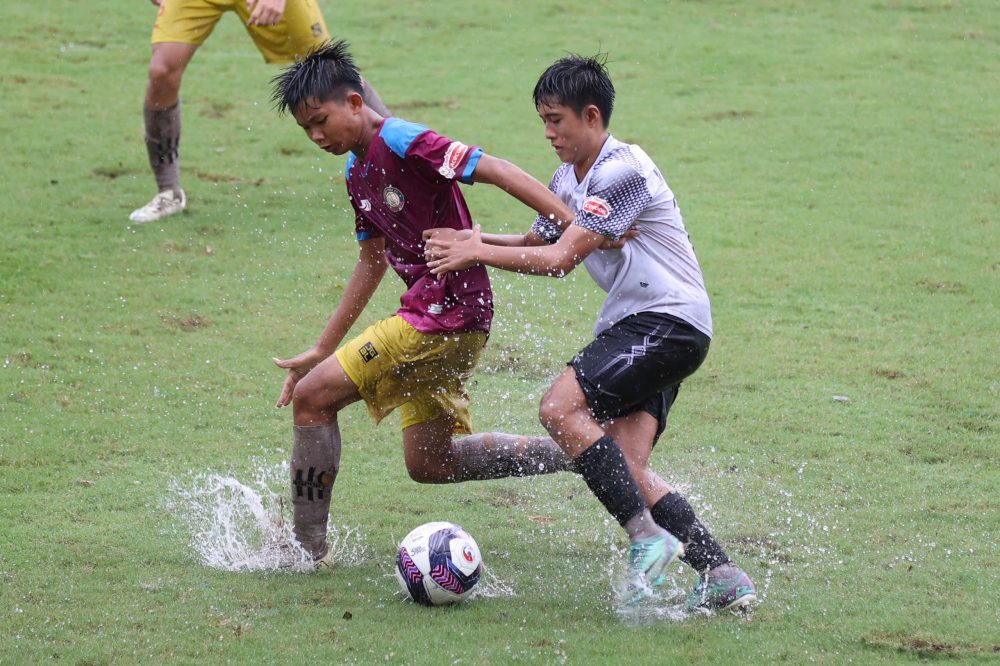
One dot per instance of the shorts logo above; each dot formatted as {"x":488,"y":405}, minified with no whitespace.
{"x":452,"y":158}
{"x":368,"y":352}
{"x":393,"y":198}
{"x":597,"y":206}
{"x":643,"y":284}
{"x":317,"y":29}
{"x":435,"y":308}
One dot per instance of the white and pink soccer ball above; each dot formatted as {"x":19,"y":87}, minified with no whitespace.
{"x":438,"y":563}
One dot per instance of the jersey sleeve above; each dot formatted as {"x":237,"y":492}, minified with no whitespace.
{"x":545,"y":228}
{"x":614,"y":200}
{"x":437,"y":158}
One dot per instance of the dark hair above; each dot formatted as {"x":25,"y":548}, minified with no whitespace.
{"x":328,"y":72}
{"x":576,"y":81}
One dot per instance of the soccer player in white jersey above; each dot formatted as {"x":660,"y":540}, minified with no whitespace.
{"x":609,"y":407}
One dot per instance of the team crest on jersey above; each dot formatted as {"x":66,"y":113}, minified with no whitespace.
{"x":452,"y":158}
{"x":393,"y":198}
{"x":596,"y":206}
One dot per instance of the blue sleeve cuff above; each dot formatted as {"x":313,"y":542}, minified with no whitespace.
{"x":470,"y":166}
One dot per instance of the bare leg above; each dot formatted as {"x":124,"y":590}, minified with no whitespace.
{"x":599,"y":459}
{"x":497,"y":455}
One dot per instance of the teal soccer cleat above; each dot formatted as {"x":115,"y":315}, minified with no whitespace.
{"x":734,"y":592}
{"x":648,"y":561}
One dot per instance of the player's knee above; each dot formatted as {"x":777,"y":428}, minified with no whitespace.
{"x":163,"y":76}
{"x":307,"y":396}
{"x":422,"y":473}
{"x":552,"y":412}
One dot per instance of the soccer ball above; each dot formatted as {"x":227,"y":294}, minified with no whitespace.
{"x":438,"y":563}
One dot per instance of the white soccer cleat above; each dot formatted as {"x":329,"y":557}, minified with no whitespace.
{"x":163,"y":205}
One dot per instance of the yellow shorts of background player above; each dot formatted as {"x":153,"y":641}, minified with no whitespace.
{"x":299,"y":31}
{"x":394,"y":365}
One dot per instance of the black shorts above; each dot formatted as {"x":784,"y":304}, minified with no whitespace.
{"x":638,"y":365}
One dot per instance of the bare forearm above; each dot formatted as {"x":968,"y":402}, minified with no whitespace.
{"x":506,"y":240}
{"x":523,"y":187}
{"x":546,"y":260}
{"x":360,"y":288}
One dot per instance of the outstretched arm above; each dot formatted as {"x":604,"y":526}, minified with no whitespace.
{"x":522,"y":186}
{"x":550,"y":260}
{"x":365,"y":278}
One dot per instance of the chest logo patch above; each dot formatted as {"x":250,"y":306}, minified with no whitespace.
{"x":393,"y":198}
{"x":596,"y":206}
{"x":452,"y":158}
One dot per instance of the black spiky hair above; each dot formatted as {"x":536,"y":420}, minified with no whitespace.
{"x":328,"y":72}
{"x":577,"y":81}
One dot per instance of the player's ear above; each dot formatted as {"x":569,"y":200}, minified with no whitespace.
{"x":355,"y":101}
{"x":592,"y":115}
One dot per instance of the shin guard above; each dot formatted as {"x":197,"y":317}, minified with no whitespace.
{"x":314,"y":467}
{"x":163,"y":138}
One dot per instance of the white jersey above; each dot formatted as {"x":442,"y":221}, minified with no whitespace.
{"x":654,"y":272}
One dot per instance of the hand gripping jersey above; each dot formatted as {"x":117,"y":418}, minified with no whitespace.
{"x":654,"y":272}
{"x":405,"y":184}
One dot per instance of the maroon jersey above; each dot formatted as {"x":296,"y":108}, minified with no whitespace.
{"x":406,"y":184}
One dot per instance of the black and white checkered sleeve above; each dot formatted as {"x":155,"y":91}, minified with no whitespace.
{"x":543,"y":227}
{"x":614,"y":200}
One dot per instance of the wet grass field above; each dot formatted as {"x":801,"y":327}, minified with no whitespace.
{"x":838,"y":169}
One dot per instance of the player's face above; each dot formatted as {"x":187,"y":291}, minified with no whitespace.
{"x":334,"y":126}
{"x":570,"y":134}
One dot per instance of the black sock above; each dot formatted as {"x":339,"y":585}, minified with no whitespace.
{"x":604,"y":469}
{"x":701,"y":550}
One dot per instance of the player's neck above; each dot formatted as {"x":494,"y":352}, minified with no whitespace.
{"x":369,"y":129}
{"x":588,"y":156}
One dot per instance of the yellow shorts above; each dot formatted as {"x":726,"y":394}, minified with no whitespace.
{"x":300,"y":29}
{"x":394,"y":365}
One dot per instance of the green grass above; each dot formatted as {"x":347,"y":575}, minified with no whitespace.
{"x":837,"y":164}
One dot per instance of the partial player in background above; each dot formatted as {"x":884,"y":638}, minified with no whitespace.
{"x":402,"y":178}
{"x":610,"y":406}
{"x":283,"y":30}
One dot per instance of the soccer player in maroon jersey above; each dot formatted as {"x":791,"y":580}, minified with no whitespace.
{"x":402,"y":178}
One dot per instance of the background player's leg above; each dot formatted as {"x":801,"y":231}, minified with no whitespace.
{"x":316,"y":450}
{"x":162,"y":118}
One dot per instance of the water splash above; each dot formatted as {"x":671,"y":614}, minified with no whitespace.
{"x":236,"y":526}
{"x":491,"y":586}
